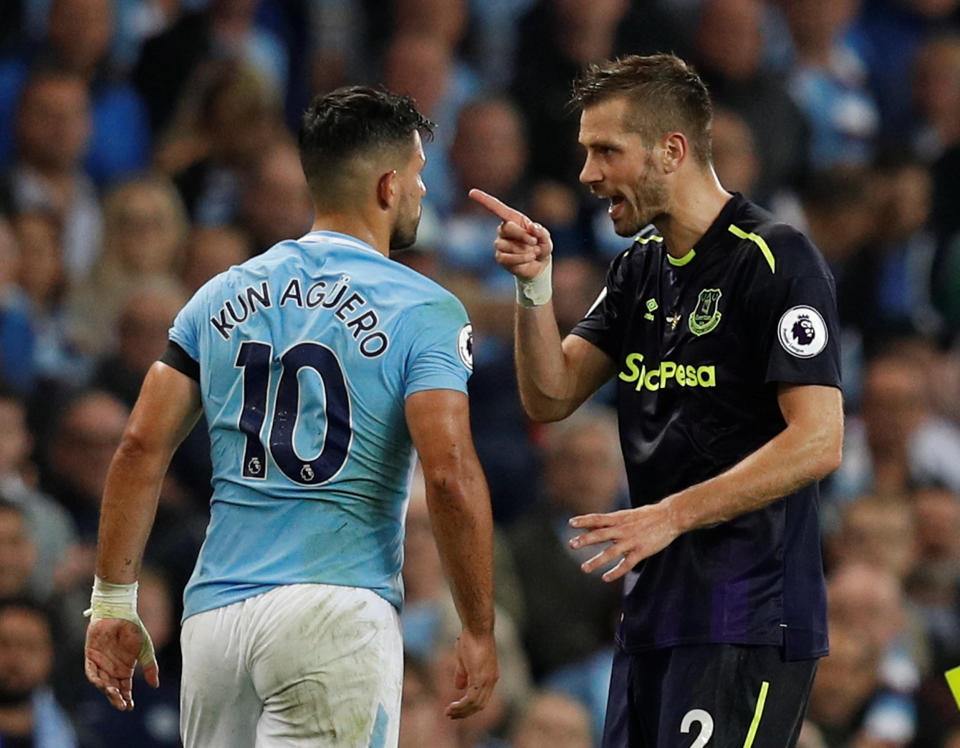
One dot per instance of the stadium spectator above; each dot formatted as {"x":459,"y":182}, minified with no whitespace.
{"x":50,"y":525}
{"x":222,"y":128}
{"x":144,"y":316}
{"x":887,"y":36}
{"x":869,"y":601}
{"x":735,"y":157}
{"x":56,"y":360}
{"x":552,"y":720}
{"x":171,"y":62}
{"x":16,"y":327}
{"x":568,"y":616}
{"x":144,"y":230}
{"x":425,"y":67}
{"x":423,"y":722}
{"x":211,"y":250}
{"x":275,"y":200}
{"x":78,"y":39}
{"x":570,"y":34}
{"x":877,"y":530}
{"x":489,"y":151}
{"x":29,"y":712}
{"x":936,"y":95}
{"x":846,"y":683}
{"x":79,"y":453}
{"x":18,"y":552}
{"x":52,"y":132}
{"x":934,"y":586}
{"x":893,"y":292}
{"x":897,"y":440}
{"x":828,"y":80}
{"x":738,"y":81}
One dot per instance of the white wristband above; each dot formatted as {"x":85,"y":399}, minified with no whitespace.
{"x":113,"y":601}
{"x":120,"y":601}
{"x":535,"y":291}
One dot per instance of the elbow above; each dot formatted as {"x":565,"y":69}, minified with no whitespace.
{"x":829,"y":456}
{"x":545,"y":410}
{"x":135,"y":446}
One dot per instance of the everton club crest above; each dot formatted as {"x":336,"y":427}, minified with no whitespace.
{"x":707,"y":315}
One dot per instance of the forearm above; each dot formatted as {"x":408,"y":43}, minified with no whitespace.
{"x":168,"y":407}
{"x":542,"y":371}
{"x":128,"y":510}
{"x":463,"y":529}
{"x":789,"y":461}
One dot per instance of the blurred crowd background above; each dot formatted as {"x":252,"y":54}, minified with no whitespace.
{"x":146,"y":145}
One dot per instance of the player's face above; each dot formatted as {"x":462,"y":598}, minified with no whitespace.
{"x":412,"y":190}
{"x":618,"y":167}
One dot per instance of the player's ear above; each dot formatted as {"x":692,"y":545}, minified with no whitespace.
{"x":388,"y":189}
{"x":674,"y":150}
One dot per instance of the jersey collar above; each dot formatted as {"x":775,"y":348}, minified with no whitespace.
{"x":313,"y":237}
{"x":718,"y":232}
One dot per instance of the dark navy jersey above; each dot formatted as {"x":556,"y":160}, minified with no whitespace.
{"x":700,"y":345}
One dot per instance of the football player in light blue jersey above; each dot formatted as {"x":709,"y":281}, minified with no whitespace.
{"x":320,"y":366}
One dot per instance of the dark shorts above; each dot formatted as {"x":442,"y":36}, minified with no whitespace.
{"x":707,"y":696}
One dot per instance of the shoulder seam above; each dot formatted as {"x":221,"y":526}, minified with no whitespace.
{"x":759,"y":241}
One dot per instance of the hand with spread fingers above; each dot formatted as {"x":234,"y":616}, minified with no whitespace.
{"x":477,"y":673}
{"x":523,"y":247}
{"x":113,"y":648}
{"x":633,"y":534}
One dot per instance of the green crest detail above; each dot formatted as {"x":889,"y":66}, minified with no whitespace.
{"x":652,"y":305}
{"x":707,"y":314}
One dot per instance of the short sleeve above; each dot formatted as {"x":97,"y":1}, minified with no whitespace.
{"x":800,"y":341}
{"x":603,"y":323}
{"x":185,"y":331}
{"x":441,"y":354}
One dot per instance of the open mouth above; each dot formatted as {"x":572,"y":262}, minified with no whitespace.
{"x":616,"y":208}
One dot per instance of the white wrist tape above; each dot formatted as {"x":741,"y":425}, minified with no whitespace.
{"x":119,"y":601}
{"x":535,"y":291}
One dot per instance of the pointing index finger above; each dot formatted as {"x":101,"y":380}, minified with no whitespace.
{"x":500,"y":209}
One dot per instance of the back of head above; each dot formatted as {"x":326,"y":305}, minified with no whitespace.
{"x":351,"y":135}
{"x":665,"y":95}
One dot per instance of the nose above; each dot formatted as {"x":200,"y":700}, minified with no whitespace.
{"x":589,"y":174}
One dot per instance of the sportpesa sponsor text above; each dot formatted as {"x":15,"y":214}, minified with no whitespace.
{"x":661,"y":375}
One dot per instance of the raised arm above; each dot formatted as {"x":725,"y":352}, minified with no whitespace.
{"x":459,"y":505}
{"x":808,"y":449}
{"x":554,"y":376}
{"x":168,"y":407}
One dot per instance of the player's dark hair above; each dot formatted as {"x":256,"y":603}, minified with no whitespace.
{"x":352,"y":121}
{"x":665,"y":95}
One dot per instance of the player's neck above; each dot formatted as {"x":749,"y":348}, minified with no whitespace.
{"x":695,"y":205}
{"x":356,"y":226}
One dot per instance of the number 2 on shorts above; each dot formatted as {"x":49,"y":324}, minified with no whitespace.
{"x":706,"y":726}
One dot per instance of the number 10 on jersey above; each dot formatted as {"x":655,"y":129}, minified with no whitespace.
{"x":255,"y":358}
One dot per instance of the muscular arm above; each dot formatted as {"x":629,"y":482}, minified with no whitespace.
{"x":459,"y":506}
{"x":168,"y":407}
{"x":808,"y":449}
{"x":555,"y":377}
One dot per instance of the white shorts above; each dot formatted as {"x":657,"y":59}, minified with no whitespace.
{"x":301,"y":665}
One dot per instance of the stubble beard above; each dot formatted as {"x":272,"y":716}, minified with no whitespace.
{"x":647,"y":203}
{"x":404,"y":232}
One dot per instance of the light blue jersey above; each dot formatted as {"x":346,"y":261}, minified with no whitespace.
{"x":307,"y":354}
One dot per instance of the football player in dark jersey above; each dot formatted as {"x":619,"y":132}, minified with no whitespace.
{"x":719,"y":326}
